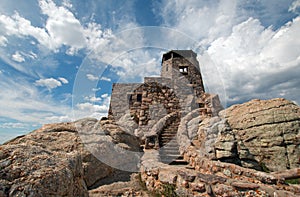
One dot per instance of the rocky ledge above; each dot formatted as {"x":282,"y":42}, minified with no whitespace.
{"x":53,"y":161}
{"x":249,"y":149}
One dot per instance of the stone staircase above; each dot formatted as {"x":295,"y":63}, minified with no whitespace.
{"x":169,"y":147}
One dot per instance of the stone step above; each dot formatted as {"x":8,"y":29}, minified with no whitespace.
{"x":168,"y":160}
{"x":170,"y":143}
{"x":168,"y":134}
{"x":168,"y":157}
{"x":168,"y":137}
{"x":170,"y":152}
{"x":169,"y":131}
{"x":179,"y":162}
{"x":170,"y":140}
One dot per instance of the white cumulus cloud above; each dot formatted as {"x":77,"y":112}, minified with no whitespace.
{"x":63,"y":80}
{"x":91,"y":107}
{"x":92,"y":77}
{"x":254,"y":60}
{"x":49,"y":83}
{"x":92,"y":99}
{"x":18,"y":57}
{"x":61,"y":28}
{"x":105,"y":79}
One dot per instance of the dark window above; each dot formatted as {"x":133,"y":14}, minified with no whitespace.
{"x":201,"y":105}
{"x":139,"y":98}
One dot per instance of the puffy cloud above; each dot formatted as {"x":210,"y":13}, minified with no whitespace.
{"x":19,"y":26}
{"x":49,"y":83}
{"x":61,"y":28}
{"x":91,"y":107}
{"x":91,"y":110}
{"x":18,"y":57}
{"x":63,"y":80}
{"x":105,"y":79}
{"x":104,"y":96}
{"x":93,"y":99}
{"x":200,"y":19}
{"x":255,"y":62}
{"x":92,"y":77}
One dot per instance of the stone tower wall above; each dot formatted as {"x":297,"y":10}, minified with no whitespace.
{"x":176,"y":64}
{"x":151,"y":102}
{"x":119,"y":102}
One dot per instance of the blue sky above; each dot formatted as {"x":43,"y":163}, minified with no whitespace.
{"x":58,"y":59}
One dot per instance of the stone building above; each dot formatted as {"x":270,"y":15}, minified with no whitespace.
{"x":178,"y":91}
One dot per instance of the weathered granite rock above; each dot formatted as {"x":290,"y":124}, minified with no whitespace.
{"x":216,"y":140}
{"x":52,"y":161}
{"x":267,"y":131}
{"x":263,"y":135}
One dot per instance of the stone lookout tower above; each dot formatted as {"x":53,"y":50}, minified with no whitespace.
{"x":178,"y":89}
{"x":156,"y":106}
{"x":178,"y":63}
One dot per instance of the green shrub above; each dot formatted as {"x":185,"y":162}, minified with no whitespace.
{"x":169,"y":190}
{"x":292,"y":181}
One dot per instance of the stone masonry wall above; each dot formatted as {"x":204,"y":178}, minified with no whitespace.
{"x":119,"y":104}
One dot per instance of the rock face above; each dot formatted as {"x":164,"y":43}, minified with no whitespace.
{"x":263,"y":135}
{"x":52,"y":161}
{"x":267,"y":132}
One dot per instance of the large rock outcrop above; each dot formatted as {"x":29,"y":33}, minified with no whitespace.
{"x":267,"y":131}
{"x":52,"y":161}
{"x":260,"y":134}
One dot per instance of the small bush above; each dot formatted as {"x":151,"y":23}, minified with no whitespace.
{"x":292,"y":181}
{"x":264,"y":167}
{"x":169,"y":190}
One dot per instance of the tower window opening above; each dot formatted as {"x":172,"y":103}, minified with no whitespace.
{"x":183,"y":70}
{"x":139,"y":98}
